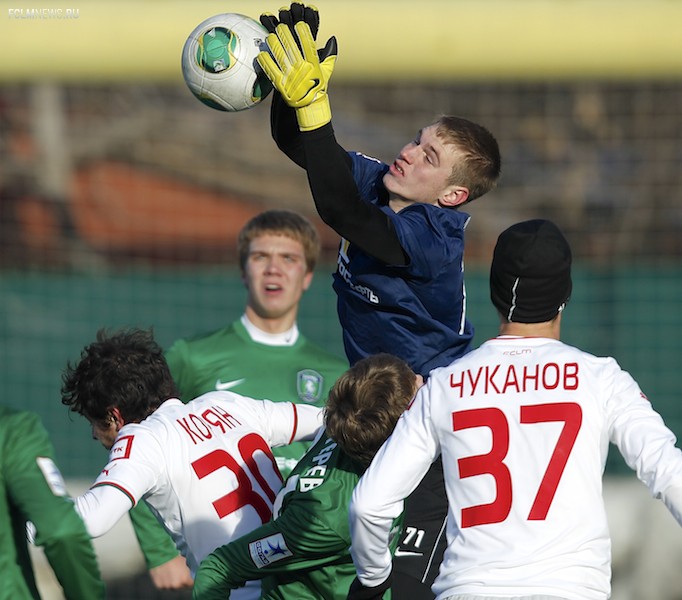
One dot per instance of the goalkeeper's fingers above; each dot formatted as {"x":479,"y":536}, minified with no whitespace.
{"x":279,"y":58}
{"x":300,"y":12}
{"x":271,"y":69}
{"x":331,"y":48}
{"x":325,"y":58}
{"x":312,"y":17}
{"x":290,"y":14}
{"x":296,"y":82}
{"x":275,"y":62}
{"x":287,"y":42}
{"x":269,"y":21}
{"x":307,"y":41}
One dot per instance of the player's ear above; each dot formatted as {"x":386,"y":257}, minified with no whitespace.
{"x":454,"y":196}
{"x":307,"y":280}
{"x":244,"y":277}
{"x":117,"y":418}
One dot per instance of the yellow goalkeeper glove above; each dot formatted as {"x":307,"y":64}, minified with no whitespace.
{"x":298,"y":74}
{"x":290,"y":16}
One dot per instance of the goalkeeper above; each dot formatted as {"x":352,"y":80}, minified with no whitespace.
{"x":400,"y":276}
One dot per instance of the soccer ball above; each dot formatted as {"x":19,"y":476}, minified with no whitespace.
{"x":219,"y":62}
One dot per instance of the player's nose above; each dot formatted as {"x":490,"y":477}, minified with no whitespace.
{"x":407,"y":153}
{"x":272,"y":266}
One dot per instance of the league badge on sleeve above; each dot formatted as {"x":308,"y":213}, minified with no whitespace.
{"x":268,"y":550}
{"x":52,"y":475}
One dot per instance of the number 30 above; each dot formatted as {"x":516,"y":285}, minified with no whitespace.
{"x":244,"y":495}
{"x":493,"y":464}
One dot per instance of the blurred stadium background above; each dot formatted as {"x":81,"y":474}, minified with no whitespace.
{"x":121,"y":195}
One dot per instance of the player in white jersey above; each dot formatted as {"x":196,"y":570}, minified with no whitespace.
{"x":523,"y":425}
{"x":205,"y":468}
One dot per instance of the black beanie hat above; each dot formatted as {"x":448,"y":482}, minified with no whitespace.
{"x":530,"y":276}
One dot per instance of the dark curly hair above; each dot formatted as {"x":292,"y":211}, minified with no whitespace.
{"x":365,"y":403}
{"x":124,"y":370}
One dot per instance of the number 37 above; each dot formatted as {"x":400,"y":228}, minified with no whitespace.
{"x":493,"y":464}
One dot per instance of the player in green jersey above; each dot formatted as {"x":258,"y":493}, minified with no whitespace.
{"x":262,"y":355}
{"x":303,"y":553}
{"x":32,"y":489}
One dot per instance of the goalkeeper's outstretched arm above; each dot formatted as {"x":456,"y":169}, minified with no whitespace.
{"x":283,"y":121}
{"x":285,"y":131}
{"x":338,"y":201}
{"x":301,"y":126}
{"x":332,"y":185}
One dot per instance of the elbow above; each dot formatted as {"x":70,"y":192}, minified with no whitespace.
{"x":210,"y":581}
{"x":330,"y":215}
{"x":69,"y":532}
{"x":357,"y":510}
{"x":94,"y":530}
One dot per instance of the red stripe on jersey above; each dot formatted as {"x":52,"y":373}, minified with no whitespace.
{"x":293,"y":433}
{"x":119,"y":488}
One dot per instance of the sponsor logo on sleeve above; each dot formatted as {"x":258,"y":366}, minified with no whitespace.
{"x":269,"y":550}
{"x":122,"y":448}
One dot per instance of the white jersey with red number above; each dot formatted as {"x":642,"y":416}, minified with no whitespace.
{"x":205,"y":467}
{"x":523,"y":426}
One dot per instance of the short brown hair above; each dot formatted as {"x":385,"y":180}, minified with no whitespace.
{"x":479,"y":168}
{"x":281,"y":222}
{"x":365,"y":403}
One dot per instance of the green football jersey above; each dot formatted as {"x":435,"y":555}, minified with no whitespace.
{"x":304,"y":552}
{"x":32,"y":489}
{"x":228,"y":359}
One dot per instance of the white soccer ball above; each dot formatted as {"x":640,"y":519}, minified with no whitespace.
{"x":219,"y":62}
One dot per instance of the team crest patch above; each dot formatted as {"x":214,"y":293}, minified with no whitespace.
{"x":309,"y":385}
{"x":269,"y":550}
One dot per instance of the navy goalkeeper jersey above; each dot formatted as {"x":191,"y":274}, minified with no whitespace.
{"x":417,"y":311}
